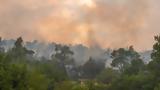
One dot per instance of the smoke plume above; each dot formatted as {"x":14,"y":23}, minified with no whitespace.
{"x":102,"y":23}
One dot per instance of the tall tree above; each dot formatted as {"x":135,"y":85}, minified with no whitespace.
{"x":123,"y":57}
{"x":136,"y":67}
{"x":154,"y":65}
{"x":63,"y":55}
{"x":156,"y":49}
{"x":108,"y":75}
{"x":19,"y":51}
{"x":92,"y":68}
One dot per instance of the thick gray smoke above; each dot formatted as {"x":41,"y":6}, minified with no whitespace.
{"x":104,"y":23}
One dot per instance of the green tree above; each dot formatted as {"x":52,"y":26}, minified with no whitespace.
{"x":63,"y":53}
{"x":19,"y":74}
{"x":133,"y":82}
{"x":65,"y":85}
{"x":37,"y":81}
{"x":123,"y":57}
{"x":63,"y":57}
{"x":51,"y":70}
{"x":14,"y":77}
{"x":154,"y":65}
{"x":107,"y":76}
{"x":92,"y":68}
{"x":136,"y":67}
{"x":19,"y":52}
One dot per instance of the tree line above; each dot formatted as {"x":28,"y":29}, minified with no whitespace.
{"x":20,"y":70}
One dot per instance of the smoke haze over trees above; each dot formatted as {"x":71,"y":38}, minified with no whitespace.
{"x":79,"y":45}
{"x":26,"y":66}
{"x":81,"y":53}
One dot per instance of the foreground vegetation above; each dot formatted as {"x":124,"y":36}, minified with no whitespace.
{"x":19,"y":70}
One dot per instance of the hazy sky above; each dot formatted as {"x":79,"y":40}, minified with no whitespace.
{"x":107,"y":23}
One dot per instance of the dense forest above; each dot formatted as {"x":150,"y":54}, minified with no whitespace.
{"x":21,"y":69}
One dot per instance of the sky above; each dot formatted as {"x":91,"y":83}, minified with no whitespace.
{"x":104,"y":23}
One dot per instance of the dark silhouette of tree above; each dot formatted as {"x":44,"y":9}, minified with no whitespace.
{"x":62,"y":52}
{"x":155,"y":64}
{"x":136,"y":67}
{"x":63,"y":56}
{"x":19,"y":43}
{"x":19,"y":51}
{"x":108,"y":75}
{"x":92,"y":68}
{"x":123,"y":57}
{"x":46,"y":74}
{"x":156,"y":49}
